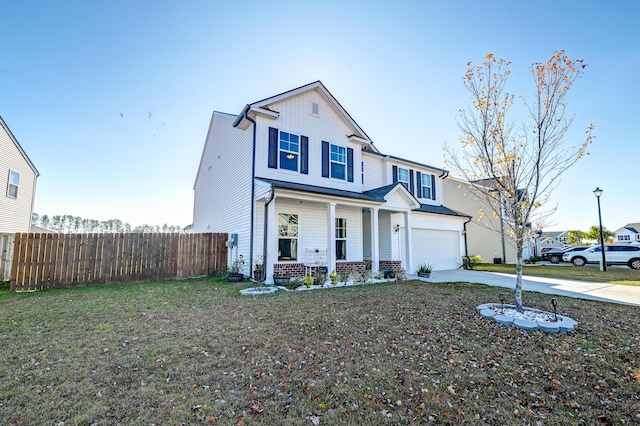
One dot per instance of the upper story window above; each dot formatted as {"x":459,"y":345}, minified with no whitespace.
{"x":289,"y":151}
{"x":14,"y":182}
{"x":426,"y":186}
{"x":624,"y":238}
{"x":403,"y":177}
{"x":338,"y":162}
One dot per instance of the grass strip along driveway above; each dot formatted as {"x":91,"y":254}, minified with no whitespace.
{"x":196,"y":352}
{"x":615,"y":275}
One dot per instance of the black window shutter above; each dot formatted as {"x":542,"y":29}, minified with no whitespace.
{"x":418,"y":185}
{"x":394,"y":173}
{"x":325,"y":159}
{"x":273,"y":148}
{"x":411,"y":181}
{"x":304,"y":155}
{"x":350,"y":164}
{"x":433,"y":187}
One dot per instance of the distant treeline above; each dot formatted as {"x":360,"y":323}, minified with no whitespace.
{"x":75,"y":224}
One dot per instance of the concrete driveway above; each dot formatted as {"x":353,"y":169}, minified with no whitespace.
{"x":605,"y":292}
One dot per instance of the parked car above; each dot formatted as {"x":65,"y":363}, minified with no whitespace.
{"x":614,"y":255}
{"x":555,"y":256}
{"x":545,"y":250}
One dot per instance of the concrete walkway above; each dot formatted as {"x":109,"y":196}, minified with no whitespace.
{"x":605,"y":292}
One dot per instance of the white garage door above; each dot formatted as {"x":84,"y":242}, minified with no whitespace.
{"x":438,"y":248}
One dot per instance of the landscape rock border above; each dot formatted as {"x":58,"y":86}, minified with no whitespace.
{"x":492,"y":311}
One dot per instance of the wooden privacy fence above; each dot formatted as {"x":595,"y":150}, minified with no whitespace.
{"x":6,"y":255}
{"x":47,"y":261}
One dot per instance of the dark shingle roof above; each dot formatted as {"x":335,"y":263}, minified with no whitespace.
{"x":320,"y":190}
{"x":427,"y":208}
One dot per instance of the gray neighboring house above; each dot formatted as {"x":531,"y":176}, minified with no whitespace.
{"x":18,"y":178}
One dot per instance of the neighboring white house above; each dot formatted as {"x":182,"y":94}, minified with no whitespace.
{"x":555,"y":239}
{"x":18,"y":178}
{"x":301,"y":184}
{"x":629,"y":233}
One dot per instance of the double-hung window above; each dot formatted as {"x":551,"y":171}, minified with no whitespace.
{"x":426,"y":185}
{"x":287,"y":236}
{"x":338,"y":162}
{"x":341,"y":238}
{"x":14,"y":182}
{"x":289,"y":151}
{"x":403,"y":177}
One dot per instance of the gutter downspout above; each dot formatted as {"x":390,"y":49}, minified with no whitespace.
{"x":253,"y":192}
{"x":264,"y":240}
{"x":467,"y":261}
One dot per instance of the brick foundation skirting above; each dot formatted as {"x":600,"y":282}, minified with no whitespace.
{"x":350,"y":267}
{"x":291,"y":269}
{"x":392,"y":265}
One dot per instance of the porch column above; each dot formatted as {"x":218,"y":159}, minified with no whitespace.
{"x":331,"y":237}
{"x":272,"y":241}
{"x":408,"y":243}
{"x":375,"y":241}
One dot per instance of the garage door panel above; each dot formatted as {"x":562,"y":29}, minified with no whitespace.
{"x":437,"y":247}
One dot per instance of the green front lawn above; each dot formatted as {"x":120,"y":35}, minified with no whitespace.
{"x":614,"y":275}
{"x":196,"y":352}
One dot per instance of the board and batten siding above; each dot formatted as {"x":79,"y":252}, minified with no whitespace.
{"x":295,"y":117}
{"x":15,"y":213}
{"x":222,"y":198}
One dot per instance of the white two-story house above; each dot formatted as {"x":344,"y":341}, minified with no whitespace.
{"x":18,"y":178}
{"x":301,"y":184}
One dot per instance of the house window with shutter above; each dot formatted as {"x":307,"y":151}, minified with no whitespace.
{"x":288,"y":151}
{"x":287,"y":236}
{"x":341,"y":238}
{"x":14,"y":182}
{"x":403,"y":177}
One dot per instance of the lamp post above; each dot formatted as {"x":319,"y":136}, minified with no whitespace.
{"x":598,"y":193}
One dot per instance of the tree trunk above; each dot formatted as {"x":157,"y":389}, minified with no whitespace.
{"x":519,"y":246}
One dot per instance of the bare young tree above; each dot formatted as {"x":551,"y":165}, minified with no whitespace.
{"x":513,"y":165}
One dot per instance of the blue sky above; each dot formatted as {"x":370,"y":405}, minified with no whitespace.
{"x":69,"y":69}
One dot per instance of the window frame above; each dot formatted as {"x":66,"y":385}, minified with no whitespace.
{"x":288,"y":231}
{"x":341,"y":237}
{"x":282,"y":151}
{"x":13,"y":185}
{"x":423,"y":186}
{"x":404,"y":182}
{"x":342,"y":163}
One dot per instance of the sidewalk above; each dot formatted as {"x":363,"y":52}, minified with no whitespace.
{"x":605,"y":292}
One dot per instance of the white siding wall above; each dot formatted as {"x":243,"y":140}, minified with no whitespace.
{"x":374,"y":172}
{"x":312,"y":226}
{"x":15,"y":213}
{"x":295,"y":118}
{"x":222,"y":200}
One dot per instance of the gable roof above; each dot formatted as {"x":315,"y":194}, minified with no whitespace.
{"x":15,"y":141}
{"x":633,"y":227}
{"x":261,"y":107}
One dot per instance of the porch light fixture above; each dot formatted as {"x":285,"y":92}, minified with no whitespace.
{"x":598,"y":192}
{"x":396,"y":228}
